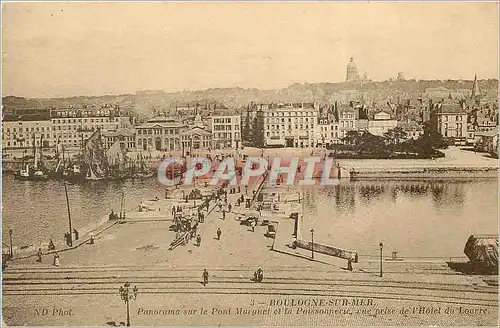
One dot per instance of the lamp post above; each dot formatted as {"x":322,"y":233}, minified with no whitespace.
{"x":11,"y":250}
{"x":312,"y":244}
{"x":70,"y":236}
{"x":381,"y":246}
{"x":126,"y":295}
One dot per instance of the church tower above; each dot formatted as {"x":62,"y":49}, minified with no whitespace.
{"x":476,"y":93}
{"x":475,"y":89}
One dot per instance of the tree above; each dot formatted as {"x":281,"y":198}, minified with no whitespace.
{"x":368,"y":143}
{"x":430,"y":141}
{"x":434,"y":139}
{"x":395,"y":136}
{"x":351,"y":137}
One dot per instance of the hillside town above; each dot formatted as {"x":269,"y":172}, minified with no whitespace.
{"x":465,"y":117}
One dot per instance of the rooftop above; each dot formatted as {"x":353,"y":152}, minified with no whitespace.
{"x":410,"y":126}
{"x":451,"y":108}
{"x":119,"y":132}
{"x":160,"y":124}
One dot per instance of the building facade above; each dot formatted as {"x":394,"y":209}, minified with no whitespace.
{"x":347,"y":120}
{"x":125,"y":136}
{"x":381,"y":123}
{"x":291,"y":125}
{"x":27,"y":133}
{"x":450,"y":120}
{"x":328,"y":133}
{"x":162,"y":134}
{"x":226,"y":131}
{"x":412,"y":129}
{"x":69,"y":127}
{"x":196,"y":136}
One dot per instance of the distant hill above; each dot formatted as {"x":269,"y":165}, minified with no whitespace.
{"x":145,"y":102}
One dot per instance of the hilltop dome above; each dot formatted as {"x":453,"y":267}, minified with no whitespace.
{"x":351,"y":64}
{"x":352,"y":71}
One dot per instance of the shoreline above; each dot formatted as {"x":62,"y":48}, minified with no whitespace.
{"x":441,"y":172}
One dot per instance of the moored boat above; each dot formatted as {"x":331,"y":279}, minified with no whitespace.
{"x":23,"y":174}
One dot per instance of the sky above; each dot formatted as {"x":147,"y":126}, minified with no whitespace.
{"x":65,"y":49}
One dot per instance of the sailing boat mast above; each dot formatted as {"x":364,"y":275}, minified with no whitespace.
{"x":122,"y":206}
{"x":34,"y":151}
{"x":41,"y":149}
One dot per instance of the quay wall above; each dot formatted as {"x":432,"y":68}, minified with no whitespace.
{"x":437,"y":172}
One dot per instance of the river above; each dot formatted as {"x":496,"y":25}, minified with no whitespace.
{"x":420,"y":218}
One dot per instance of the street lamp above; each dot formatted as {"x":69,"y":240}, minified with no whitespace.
{"x":126,"y":295}
{"x":381,"y":246}
{"x":11,"y":250}
{"x":312,"y":244}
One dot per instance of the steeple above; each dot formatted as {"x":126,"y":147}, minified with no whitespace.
{"x":475,"y":88}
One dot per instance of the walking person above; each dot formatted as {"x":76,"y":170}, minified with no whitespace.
{"x":56,"y":259}
{"x":223,"y":214}
{"x":198,"y":240}
{"x":76,"y":234}
{"x":51,"y":245}
{"x":39,"y":256}
{"x":229,"y":207}
{"x":219,"y":232}
{"x":205,"y":277}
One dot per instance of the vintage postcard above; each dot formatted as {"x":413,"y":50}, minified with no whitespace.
{"x":249,"y":164}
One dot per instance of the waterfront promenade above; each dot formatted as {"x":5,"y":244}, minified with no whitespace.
{"x":85,"y":285}
{"x":454,"y":156}
{"x":136,"y":250}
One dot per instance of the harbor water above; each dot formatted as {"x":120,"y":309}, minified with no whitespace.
{"x":415,"y":218}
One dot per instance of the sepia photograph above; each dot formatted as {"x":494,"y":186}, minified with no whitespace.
{"x":178,"y":163}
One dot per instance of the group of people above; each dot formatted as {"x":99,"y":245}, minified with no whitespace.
{"x":68,"y":238}
{"x":258,"y":276}
{"x":113,"y":216}
{"x":39,"y":255}
{"x":184,"y":230}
